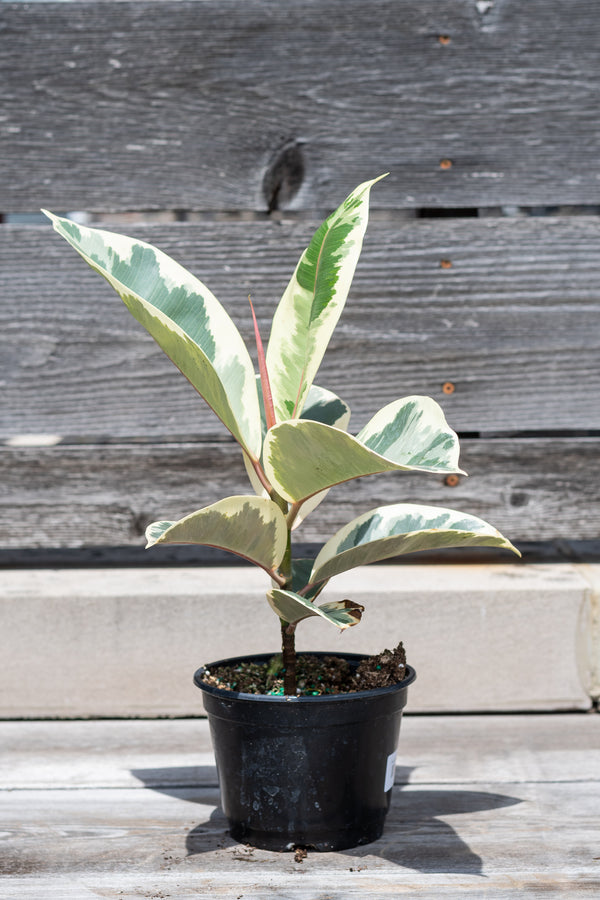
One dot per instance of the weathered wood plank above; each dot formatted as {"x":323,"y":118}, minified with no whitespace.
{"x":87,"y":495}
{"x":183,"y":105}
{"x":299,"y":884}
{"x":451,"y":830}
{"x":177,"y":753}
{"x":513,"y":325}
{"x":442,"y":837}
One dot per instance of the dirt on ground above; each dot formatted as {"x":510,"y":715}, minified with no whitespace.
{"x":316,"y":675}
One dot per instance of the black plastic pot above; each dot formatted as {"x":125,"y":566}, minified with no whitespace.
{"x":313,"y":772}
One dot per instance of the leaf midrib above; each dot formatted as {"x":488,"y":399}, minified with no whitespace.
{"x":310,"y":320}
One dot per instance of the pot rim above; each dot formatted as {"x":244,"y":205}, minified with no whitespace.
{"x":280,"y":698}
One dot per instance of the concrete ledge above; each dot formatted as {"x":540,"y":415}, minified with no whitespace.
{"x":591,"y":573}
{"x":125,"y":642}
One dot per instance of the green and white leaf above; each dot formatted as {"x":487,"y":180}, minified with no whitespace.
{"x":250,"y":471}
{"x":293,"y":608}
{"x":402,"y":528}
{"x":301,"y":572}
{"x":251,"y":527}
{"x":313,"y":302}
{"x":301,"y":458}
{"x":413,"y":431}
{"x":183,"y":317}
{"x":343,"y":613}
{"x":326,"y":407}
{"x":321,"y":406}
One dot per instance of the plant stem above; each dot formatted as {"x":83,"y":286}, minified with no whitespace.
{"x":291,"y":518}
{"x":288,"y":629}
{"x":262,"y":477}
{"x":288,"y":650}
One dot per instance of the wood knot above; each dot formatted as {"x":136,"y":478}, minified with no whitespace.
{"x":284,"y":176}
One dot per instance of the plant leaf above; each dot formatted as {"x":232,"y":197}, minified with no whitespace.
{"x":254,"y":479}
{"x":313,"y":302}
{"x":413,"y":431}
{"x":292,"y":608}
{"x":343,"y":613}
{"x":251,"y":527}
{"x":321,"y":406}
{"x":183,"y":317}
{"x":324,"y":406}
{"x":301,"y":571}
{"x":402,"y":528}
{"x":406,"y":435}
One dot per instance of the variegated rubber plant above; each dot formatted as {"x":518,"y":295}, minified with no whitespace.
{"x":293,"y":434}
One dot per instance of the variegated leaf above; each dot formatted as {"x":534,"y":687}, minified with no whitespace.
{"x":155,"y":531}
{"x":250,"y":471}
{"x":313,"y":302}
{"x":325,"y":406}
{"x":301,"y":458}
{"x":343,"y":613}
{"x":293,"y":608}
{"x":301,"y":571}
{"x":183,"y":317}
{"x":321,"y":406}
{"x":402,"y":528}
{"x":413,"y":432}
{"x":251,"y":527}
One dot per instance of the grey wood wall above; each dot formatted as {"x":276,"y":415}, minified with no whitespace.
{"x":222,"y":131}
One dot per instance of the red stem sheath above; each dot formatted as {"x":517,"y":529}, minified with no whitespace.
{"x":264,"y":375}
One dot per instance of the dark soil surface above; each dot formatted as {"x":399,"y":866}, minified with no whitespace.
{"x":315,"y":674}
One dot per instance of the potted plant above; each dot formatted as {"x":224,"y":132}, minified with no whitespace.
{"x":294,"y":770}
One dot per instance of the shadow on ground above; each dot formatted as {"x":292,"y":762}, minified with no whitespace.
{"x":416,"y":834}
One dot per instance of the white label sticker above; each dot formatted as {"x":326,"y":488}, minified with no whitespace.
{"x":390,"y":771}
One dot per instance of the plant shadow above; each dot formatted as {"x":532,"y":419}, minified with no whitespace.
{"x":416,"y":834}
